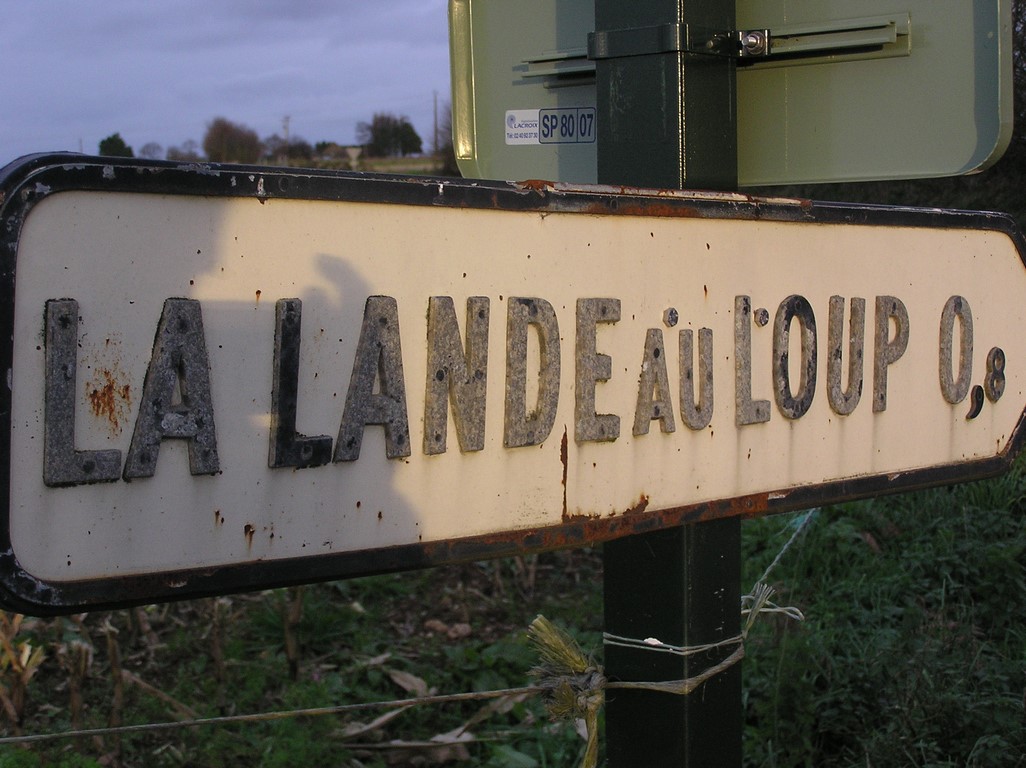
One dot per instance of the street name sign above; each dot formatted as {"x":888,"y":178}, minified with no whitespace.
{"x":827,"y":90}
{"x":226,"y":378}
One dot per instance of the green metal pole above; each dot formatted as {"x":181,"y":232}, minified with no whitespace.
{"x":666,"y":118}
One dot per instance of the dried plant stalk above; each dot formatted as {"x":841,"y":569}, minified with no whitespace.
{"x":574,"y":685}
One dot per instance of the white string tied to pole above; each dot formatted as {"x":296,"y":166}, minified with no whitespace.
{"x":755,"y":603}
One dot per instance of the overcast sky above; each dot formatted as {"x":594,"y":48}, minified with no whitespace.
{"x":77,"y":71}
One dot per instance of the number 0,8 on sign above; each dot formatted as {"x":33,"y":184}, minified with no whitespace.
{"x":225,"y":378}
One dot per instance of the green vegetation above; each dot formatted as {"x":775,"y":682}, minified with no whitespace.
{"x":914,"y":648}
{"x":387,"y":135}
{"x":913,"y":653}
{"x":446,"y":630}
{"x":115,"y":146}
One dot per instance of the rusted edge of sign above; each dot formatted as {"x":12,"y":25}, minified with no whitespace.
{"x":22,"y":592}
{"x":30,"y":180}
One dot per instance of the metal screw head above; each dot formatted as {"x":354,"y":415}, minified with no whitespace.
{"x":670,"y":317}
{"x":761,"y":317}
{"x":754,"y":43}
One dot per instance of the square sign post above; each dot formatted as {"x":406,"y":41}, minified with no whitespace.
{"x":666,"y":119}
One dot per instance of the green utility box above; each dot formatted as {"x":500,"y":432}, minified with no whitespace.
{"x":826,"y":90}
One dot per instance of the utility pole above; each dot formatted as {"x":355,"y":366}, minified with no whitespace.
{"x":667,"y":119}
{"x":434,"y":139}
{"x":285,"y":129}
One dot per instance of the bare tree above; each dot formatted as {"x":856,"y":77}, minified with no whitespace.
{"x":187,"y":153}
{"x":228,"y":142}
{"x":151,"y":150}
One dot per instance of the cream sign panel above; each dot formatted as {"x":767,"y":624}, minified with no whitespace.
{"x":230,"y":377}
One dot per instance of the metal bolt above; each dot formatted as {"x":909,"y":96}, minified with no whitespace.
{"x":670,"y":317}
{"x":761,"y":317}
{"x":755,"y":43}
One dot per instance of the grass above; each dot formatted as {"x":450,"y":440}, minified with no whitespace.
{"x":914,"y":647}
{"x":912,"y":654}
{"x":453,"y":629}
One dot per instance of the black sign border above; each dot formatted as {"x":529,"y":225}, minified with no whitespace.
{"x":30,"y":180}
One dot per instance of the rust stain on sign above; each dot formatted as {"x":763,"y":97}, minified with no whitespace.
{"x":638,"y":508}
{"x":541,"y":186}
{"x":665,"y":210}
{"x":109,"y":399}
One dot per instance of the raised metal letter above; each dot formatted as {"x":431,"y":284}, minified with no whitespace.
{"x":886,"y":350}
{"x":456,"y":374}
{"x":289,"y":448}
{"x":654,"y":401}
{"x":593,"y":367}
{"x":523,"y":428}
{"x":843,"y":401}
{"x":179,"y":365}
{"x":62,"y":464}
{"x":748,"y":411}
{"x":700,"y":416}
{"x":792,"y":405}
{"x":378,"y":357}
